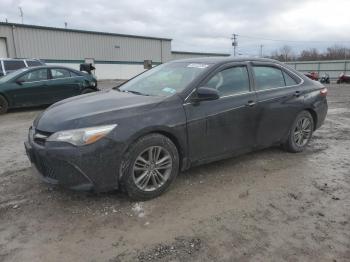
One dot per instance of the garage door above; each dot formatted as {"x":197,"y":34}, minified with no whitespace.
{"x":3,"y":48}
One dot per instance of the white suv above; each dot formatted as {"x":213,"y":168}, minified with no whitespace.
{"x":8,"y":65}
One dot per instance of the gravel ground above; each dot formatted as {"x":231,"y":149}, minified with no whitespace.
{"x":264,"y":206}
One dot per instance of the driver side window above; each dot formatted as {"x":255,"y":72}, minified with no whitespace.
{"x":35,"y":75}
{"x":230,"y":81}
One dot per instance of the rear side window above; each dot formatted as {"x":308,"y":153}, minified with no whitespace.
{"x":267,"y":77}
{"x":34,"y":63}
{"x":73,"y":74}
{"x":35,"y":75}
{"x":59,"y":73}
{"x":289,"y":80}
{"x":230,"y":81}
{"x":11,"y":65}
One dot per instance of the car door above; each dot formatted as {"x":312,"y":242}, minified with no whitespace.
{"x":64,"y":84}
{"x":221,"y":127}
{"x":279,"y":101}
{"x":30,"y":88}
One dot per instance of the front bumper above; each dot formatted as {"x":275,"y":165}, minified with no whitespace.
{"x":92,"y":167}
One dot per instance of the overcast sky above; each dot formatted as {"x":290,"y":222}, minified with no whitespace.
{"x":199,"y":25}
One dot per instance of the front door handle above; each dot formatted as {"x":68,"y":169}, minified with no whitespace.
{"x":250,"y":103}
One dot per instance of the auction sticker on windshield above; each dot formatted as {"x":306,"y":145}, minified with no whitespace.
{"x":169,"y":90}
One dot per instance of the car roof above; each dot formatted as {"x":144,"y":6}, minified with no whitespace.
{"x":19,"y":59}
{"x":50,"y":66}
{"x":221,"y":60}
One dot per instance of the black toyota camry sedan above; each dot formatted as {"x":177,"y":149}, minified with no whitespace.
{"x":175,"y":116}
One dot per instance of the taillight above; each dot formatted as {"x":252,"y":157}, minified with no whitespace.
{"x":324,"y":91}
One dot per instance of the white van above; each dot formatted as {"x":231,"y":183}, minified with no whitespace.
{"x":8,"y":65}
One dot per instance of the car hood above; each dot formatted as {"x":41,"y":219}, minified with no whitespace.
{"x":93,"y":109}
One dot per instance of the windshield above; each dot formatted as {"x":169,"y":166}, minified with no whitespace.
{"x":12,"y":75}
{"x":165,"y":80}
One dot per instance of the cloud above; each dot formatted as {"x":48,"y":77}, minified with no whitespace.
{"x":197,"y":25}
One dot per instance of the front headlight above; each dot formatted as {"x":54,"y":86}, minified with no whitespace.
{"x":82,"y":136}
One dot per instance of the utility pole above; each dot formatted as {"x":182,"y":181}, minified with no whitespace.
{"x":21,"y":13}
{"x":234,"y":43}
{"x":261,"y":50}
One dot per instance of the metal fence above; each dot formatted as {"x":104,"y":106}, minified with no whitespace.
{"x":334,"y":68}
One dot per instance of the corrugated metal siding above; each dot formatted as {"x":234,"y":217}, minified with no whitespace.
{"x":5,"y":32}
{"x":184,"y":55}
{"x":66,"y":45}
{"x":166,"y":51}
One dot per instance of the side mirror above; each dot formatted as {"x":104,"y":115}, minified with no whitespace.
{"x":205,"y":94}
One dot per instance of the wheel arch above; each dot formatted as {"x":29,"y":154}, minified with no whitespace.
{"x":181,"y":149}
{"x":314,"y":116}
{"x":6,"y":98}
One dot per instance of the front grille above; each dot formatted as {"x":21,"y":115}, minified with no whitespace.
{"x":45,"y":168}
{"x":60,"y":171}
{"x":40,"y":137}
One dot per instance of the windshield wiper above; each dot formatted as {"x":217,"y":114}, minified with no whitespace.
{"x":134,"y":92}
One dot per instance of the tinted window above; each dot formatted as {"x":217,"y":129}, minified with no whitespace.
{"x":35,"y":75}
{"x":13,"y":64}
{"x":267,"y":77}
{"x":289,"y":80}
{"x":33,"y":63}
{"x":59,"y":73}
{"x":230,"y":81}
{"x":74,"y":74}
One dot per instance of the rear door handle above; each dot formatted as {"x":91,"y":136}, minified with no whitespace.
{"x":297,"y":93}
{"x":250,"y":103}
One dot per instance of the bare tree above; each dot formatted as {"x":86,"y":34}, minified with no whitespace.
{"x":336,"y":52}
{"x":286,"y":52}
{"x":310,"y":54}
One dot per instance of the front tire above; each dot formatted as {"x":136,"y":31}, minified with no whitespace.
{"x":150,"y":166}
{"x":300,"y":133}
{"x":87,"y":91}
{"x":3,"y":105}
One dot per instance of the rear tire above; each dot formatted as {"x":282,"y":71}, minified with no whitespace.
{"x":3,"y":105}
{"x":300,"y":133}
{"x":87,"y":91}
{"x":149,"y":167}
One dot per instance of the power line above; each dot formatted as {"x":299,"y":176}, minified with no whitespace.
{"x":297,"y":41}
{"x":234,"y":43}
{"x":21,"y":13}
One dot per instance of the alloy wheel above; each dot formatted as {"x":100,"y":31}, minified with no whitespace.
{"x":152,"y":168}
{"x":302,"y":131}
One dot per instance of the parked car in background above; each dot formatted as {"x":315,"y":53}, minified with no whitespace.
{"x":43,"y":85}
{"x":343,"y":78}
{"x":8,"y":65}
{"x":312,"y":75}
{"x":171,"y":117}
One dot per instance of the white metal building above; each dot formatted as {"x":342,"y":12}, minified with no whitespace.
{"x":115,"y":56}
